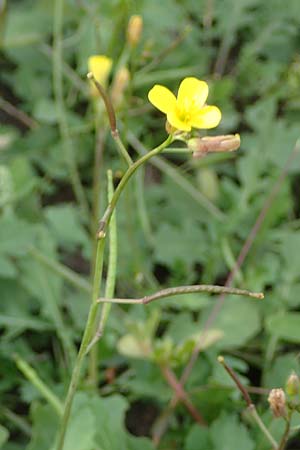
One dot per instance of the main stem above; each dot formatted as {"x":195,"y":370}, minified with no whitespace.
{"x":92,"y":316}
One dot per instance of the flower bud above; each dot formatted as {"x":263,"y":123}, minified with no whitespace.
{"x":120,"y":84}
{"x":100,"y":67}
{"x":293,"y":385}
{"x":134,"y":30}
{"x":277,"y":402}
{"x":213,"y":144}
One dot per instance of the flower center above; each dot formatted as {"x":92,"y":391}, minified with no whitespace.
{"x":183,"y":114}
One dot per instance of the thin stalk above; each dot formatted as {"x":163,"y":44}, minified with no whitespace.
{"x":111,"y":270}
{"x":59,"y":100}
{"x":97,"y":186}
{"x":286,"y":433}
{"x":180,"y":392}
{"x":251,"y":407}
{"x":112,"y":119}
{"x":172,"y":171}
{"x":33,"y":377}
{"x":252,"y":410}
{"x":181,"y":290}
{"x":121,"y":147}
{"x":88,"y":332}
{"x":128,"y":174}
{"x":92,"y":316}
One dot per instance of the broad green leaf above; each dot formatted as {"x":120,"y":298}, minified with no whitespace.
{"x":227,"y":433}
{"x":285,"y":326}
{"x":81,"y":430}
{"x":239,"y":321}
{"x":198,"y":438}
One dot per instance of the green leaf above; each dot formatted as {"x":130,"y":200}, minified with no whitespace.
{"x":64,"y":222}
{"x":45,"y":426}
{"x":281,"y":369}
{"x":81,"y":431}
{"x":3,"y":435}
{"x":198,"y":438}
{"x":239,"y":321}
{"x":227,"y":433}
{"x":285,"y":326}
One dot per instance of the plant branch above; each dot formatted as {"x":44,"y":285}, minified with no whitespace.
{"x":286,"y":433}
{"x":92,"y":316}
{"x":44,"y":390}
{"x":180,"y":290}
{"x":251,"y":407}
{"x":112,"y":119}
{"x":111,"y":270}
{"x":180,"y":392}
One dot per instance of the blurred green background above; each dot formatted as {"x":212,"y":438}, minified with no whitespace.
{"x":181,"y":221}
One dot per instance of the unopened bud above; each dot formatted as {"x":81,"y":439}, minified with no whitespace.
{"x":277,"y":402}
{"x":292,"y":385}
{"x":120,"y":84}
{"x":134,"y":30}
{"x":213,"y":144}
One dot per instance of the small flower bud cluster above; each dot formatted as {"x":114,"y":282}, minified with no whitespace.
{"x":277,"y":401}
{"x":283,"y":400}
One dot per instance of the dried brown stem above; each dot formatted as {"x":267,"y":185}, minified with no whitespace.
{"x":239,"y":385}
{"x":108,"y":104}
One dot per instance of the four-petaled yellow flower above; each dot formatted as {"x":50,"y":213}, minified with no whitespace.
{"x":100,"y":66}
{"x":188,"y":110}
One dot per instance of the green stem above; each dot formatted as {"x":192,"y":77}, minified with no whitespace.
{"x":92,"y":316}
{"x":121,"y":147}
{"x":33,"y":377}
{"x":59,"y":100}
{"x":286,"y":433}
{"x":111,"y":270}
{"x":88,"y":332}
{"x":252,"y":410}
{"x":130,"y":171}
{"x":97,"y":186}
{"x":173,"y":172}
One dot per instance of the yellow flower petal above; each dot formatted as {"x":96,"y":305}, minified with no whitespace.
{"x":177,"y":123}
{"x":100,"y":66}
{"x":207,"y":117}
{"x":192,"y":93}
{"x":162,"y":98}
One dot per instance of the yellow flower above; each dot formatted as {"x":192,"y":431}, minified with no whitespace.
{"x":188,"y":110}
{"x":100,"y":66}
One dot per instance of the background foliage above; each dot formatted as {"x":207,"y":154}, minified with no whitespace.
{"x":181,"y":221}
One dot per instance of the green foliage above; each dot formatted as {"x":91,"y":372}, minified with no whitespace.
{"x":184,"y":222}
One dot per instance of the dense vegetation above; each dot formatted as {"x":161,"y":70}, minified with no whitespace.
{"x":181,"y":221}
